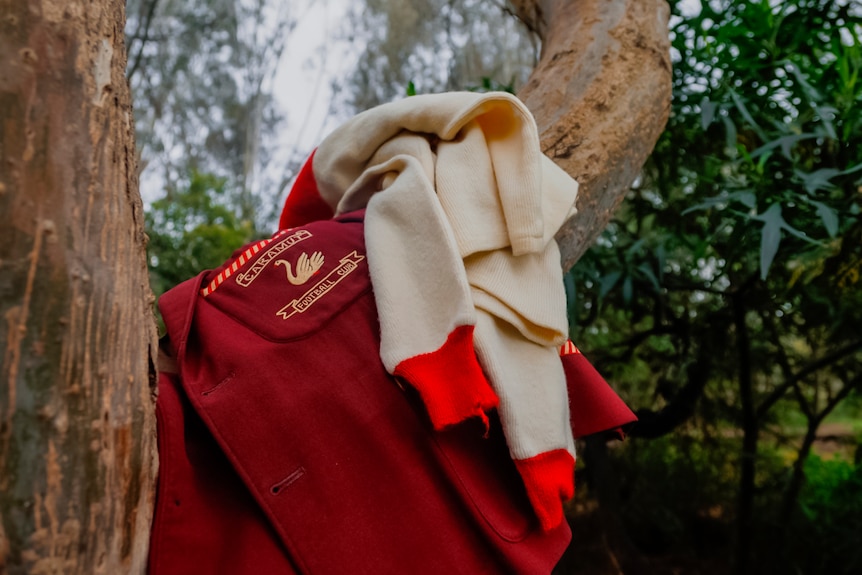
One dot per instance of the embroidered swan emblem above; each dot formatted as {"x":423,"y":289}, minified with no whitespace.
{"x":305,"y":267}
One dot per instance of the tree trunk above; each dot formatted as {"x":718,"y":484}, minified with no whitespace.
{"x":78,"y":337}
{"x":797,"y":478}
{"x":601,"y":97}
{"x":603,"y":481}
{"x":750,"y":430}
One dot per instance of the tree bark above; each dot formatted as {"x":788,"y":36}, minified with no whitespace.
{"x":78,"y":337}
{"x":601,"y":97}
{"x":750,"y":431}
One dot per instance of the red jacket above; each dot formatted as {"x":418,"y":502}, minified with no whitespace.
{"x":285,"y":447}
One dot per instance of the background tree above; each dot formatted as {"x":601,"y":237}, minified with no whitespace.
{"x":77,"y":449}
{"x":202,"y":76}
{"x":724,"y":297}
{"x":192,"y":230}
{"x":432,"y":46}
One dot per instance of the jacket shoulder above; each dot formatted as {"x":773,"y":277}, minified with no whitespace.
{"x":280,"y":287}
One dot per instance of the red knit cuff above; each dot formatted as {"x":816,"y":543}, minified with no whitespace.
{"x":450,"y":381}
{"x":550,"y":480}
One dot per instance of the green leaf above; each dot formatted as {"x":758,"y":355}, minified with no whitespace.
{"x":785,"y":143}
{"x":661,"y":258}
{"x":744,"y":197}
{"x":826,"y":114}
{"x":608,"y":282}
{"x":829,"y":217}
{"x":820,"y":179}
{"x":571,"y":289}
{"x":729,"y":132}
{"x":627,"y":289}
{"x":810,"y":92}
{"x":770,"y":237}
{"x":706,"y":204}
{"x":707,"y":113}
{"x":411,"y":88}
{"x":740,"y":105}
{"x":635,"y":248}
{"x":647,"y":272}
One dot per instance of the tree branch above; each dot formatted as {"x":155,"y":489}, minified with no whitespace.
{"x":812,"y":367}
{"x":601,"y":97}
{"x":136,"y":62}
{"x":791,"y":493}
{"x":652,"y":424}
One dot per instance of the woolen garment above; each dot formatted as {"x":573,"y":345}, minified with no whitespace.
{"x":286,"y":447}
{"x":462,"y":208}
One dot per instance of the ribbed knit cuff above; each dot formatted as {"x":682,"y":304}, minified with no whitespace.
{"x":550,"y":480}
{"x":450,"y":380}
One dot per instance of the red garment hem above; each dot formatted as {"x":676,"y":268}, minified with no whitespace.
{"x":550,"y":481}
{"x":450,"y":380}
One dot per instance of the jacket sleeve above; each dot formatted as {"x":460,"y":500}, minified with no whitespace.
{"x":593,"y":405}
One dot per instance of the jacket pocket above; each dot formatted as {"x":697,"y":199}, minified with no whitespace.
{"x":484,"y":469}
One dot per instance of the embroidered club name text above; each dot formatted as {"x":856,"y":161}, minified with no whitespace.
{"x":346,"y":265}
{"x":245,"y":279}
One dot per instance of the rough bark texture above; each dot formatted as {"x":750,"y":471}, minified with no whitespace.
{"x":601,"y":97}
{"x":77,"y":338}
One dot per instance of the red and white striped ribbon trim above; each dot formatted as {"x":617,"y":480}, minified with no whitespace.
{"x":569,"y":348}
{"x":237,"y":263}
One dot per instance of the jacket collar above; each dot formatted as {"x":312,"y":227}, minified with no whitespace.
{"x":178,"y":306}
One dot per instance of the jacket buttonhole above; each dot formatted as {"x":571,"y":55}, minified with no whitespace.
{"x":218,"y":385}
{"x":287,"y":481}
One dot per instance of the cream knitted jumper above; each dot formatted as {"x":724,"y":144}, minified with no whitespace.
{"x":462,"y":208}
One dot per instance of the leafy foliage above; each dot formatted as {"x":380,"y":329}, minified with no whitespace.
{"x":191,"y":231}
{"x":201,"y":74}
{"x":832,"y":509}
{"x":427,"y":46}
{"x":726,"y":292}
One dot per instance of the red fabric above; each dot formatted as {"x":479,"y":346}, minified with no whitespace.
{"x":334,"y":465}
{"x":593,"y":404}
{"x":304,"y":204}
{"x":450,"y":380}
{"x":550,"y":481}
{"x":204,"y":512}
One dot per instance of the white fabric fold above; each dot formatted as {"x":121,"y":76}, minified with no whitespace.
{"x":462,"y":208}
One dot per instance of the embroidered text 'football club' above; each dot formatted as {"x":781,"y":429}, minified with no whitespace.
{"x":346,"y":265}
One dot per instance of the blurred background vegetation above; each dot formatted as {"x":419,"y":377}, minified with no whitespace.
{"x":723,"y":302}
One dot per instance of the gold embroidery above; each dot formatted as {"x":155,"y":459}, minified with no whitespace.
{"x":305,"y":267}
{"x":270,"y":254}
{"x":346,"y":265}
{"x":235,"y":265}
{"x":569,"y":348}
